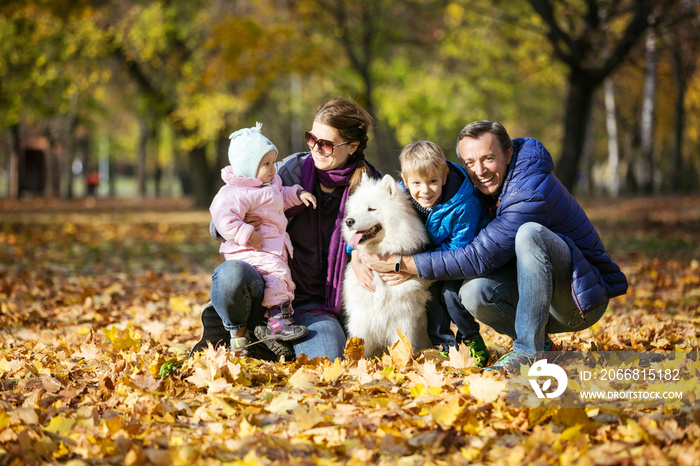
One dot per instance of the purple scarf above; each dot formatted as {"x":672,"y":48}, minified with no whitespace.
{"x":337,"y":257}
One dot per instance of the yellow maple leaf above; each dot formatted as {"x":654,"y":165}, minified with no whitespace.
{"x":354,"y":351}
{"x":332,"y":372}
{"x":180,"y":304}
{"x":89,"y":352}
{"x":485,"y":388}
{"x":154,"y":367}
{"x":10,"y":367}
{"x":447,"y":413}
{"x":129,"y":339}
{"x":632,"y":433}
{"x":246,"y":429}
{"x":60,"y":425}
{"x":283,"y":403}
{"x":202,"y":377}
{"x":4,"y":419}
{"x":302,"y":380}
{"x":362,"y":372}
{"x":431,"y":375}
{"x":306,"y":419}
{"x":419,"y":389}
{"x":401,"y":351}
{"x":460,"y":357}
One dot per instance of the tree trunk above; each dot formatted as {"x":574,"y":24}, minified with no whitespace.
{"x":613,"y":145}
{"x":678,"y":124}
{"x":589,"y":159}
{"x":296,"y":107}
{"x":578,"y":110}
{"x":200,"y":177}
{"x":144,"y":135}
{"x":222,"y":151}
{"x":646,"y":169}
{"x":50,"y":164}
{"x":13,"y":184}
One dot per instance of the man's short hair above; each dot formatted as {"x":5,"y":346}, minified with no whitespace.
{"x":423,"y":158}
{"x":476,"y":129}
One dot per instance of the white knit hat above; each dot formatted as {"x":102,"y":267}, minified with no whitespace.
{"x":248,"y":146}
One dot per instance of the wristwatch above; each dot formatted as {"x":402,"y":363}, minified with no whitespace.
{"x":397,"y":265}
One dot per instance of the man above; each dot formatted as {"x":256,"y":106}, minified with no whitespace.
{"x":539,"y":266}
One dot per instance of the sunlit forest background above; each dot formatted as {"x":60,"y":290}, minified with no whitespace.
{"x":137,"y":98}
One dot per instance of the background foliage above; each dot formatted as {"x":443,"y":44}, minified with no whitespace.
{"x":159,"y":85}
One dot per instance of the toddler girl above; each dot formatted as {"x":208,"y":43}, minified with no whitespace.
{"x":254,"y":188}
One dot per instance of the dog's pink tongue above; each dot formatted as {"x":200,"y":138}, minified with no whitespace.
{"x":355,"y":239}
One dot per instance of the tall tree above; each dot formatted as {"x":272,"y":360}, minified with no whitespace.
{"x":613,"y":144}
{"x":366,"y":35}
{"x":683,"y":36}
{"x":578,"y":35}
{"x":646,"y":164}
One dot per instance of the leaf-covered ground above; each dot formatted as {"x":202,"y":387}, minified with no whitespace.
{"x":100,"y":303}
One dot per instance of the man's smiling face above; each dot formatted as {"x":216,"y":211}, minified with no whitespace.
{"x":485,"y":162}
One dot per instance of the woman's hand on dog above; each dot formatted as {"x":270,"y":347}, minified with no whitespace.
{"x":364,"y":274}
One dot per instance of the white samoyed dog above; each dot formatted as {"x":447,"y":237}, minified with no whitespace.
{"x":379,"y":218}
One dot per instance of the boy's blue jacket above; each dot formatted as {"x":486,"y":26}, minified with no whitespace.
{"x":455,"y":222}
{"x":531,"y":193}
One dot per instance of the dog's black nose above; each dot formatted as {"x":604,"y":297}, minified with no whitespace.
{"x":349,"y":222}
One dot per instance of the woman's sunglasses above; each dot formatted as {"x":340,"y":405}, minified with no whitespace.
{"x":326,"y":147}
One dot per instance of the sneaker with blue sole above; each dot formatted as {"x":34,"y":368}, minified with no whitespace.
{"x":511,"y":362}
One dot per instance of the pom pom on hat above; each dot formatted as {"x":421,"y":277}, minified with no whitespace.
{"x":247,"y":147}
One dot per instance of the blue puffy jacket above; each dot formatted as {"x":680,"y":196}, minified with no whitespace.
{"x":531,"y":193}
{"x":454,"y":223}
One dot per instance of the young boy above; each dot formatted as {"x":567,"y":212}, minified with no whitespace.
{"x":445,"y":199}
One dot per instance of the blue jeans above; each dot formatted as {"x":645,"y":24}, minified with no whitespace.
{"x":236,"y":302}
{"x":534,"y":297}
{"x":237,"y":291}
{"x":444,"y":307}
{"x":326,"y":336}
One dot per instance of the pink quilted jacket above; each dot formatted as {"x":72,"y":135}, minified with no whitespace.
{"x":242,"y":196}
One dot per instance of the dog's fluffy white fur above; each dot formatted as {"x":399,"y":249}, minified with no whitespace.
{"x":379,"y":218}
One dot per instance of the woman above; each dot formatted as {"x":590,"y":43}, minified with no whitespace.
{"x":330,"y":171}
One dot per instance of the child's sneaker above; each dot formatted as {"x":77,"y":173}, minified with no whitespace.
{"x":280,"y":325}
{"x":511,"y":362}
{"x":239,"y":344}
{"x":477,"y":348}
{"x":279,"y":347}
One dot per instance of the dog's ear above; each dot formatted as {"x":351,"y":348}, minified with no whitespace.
{"x":390,"y":185}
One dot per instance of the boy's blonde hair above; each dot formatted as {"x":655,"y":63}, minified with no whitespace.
{"x":423,"y":158}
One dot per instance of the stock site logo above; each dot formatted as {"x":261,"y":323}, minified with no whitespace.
{"x":543,"y":369}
